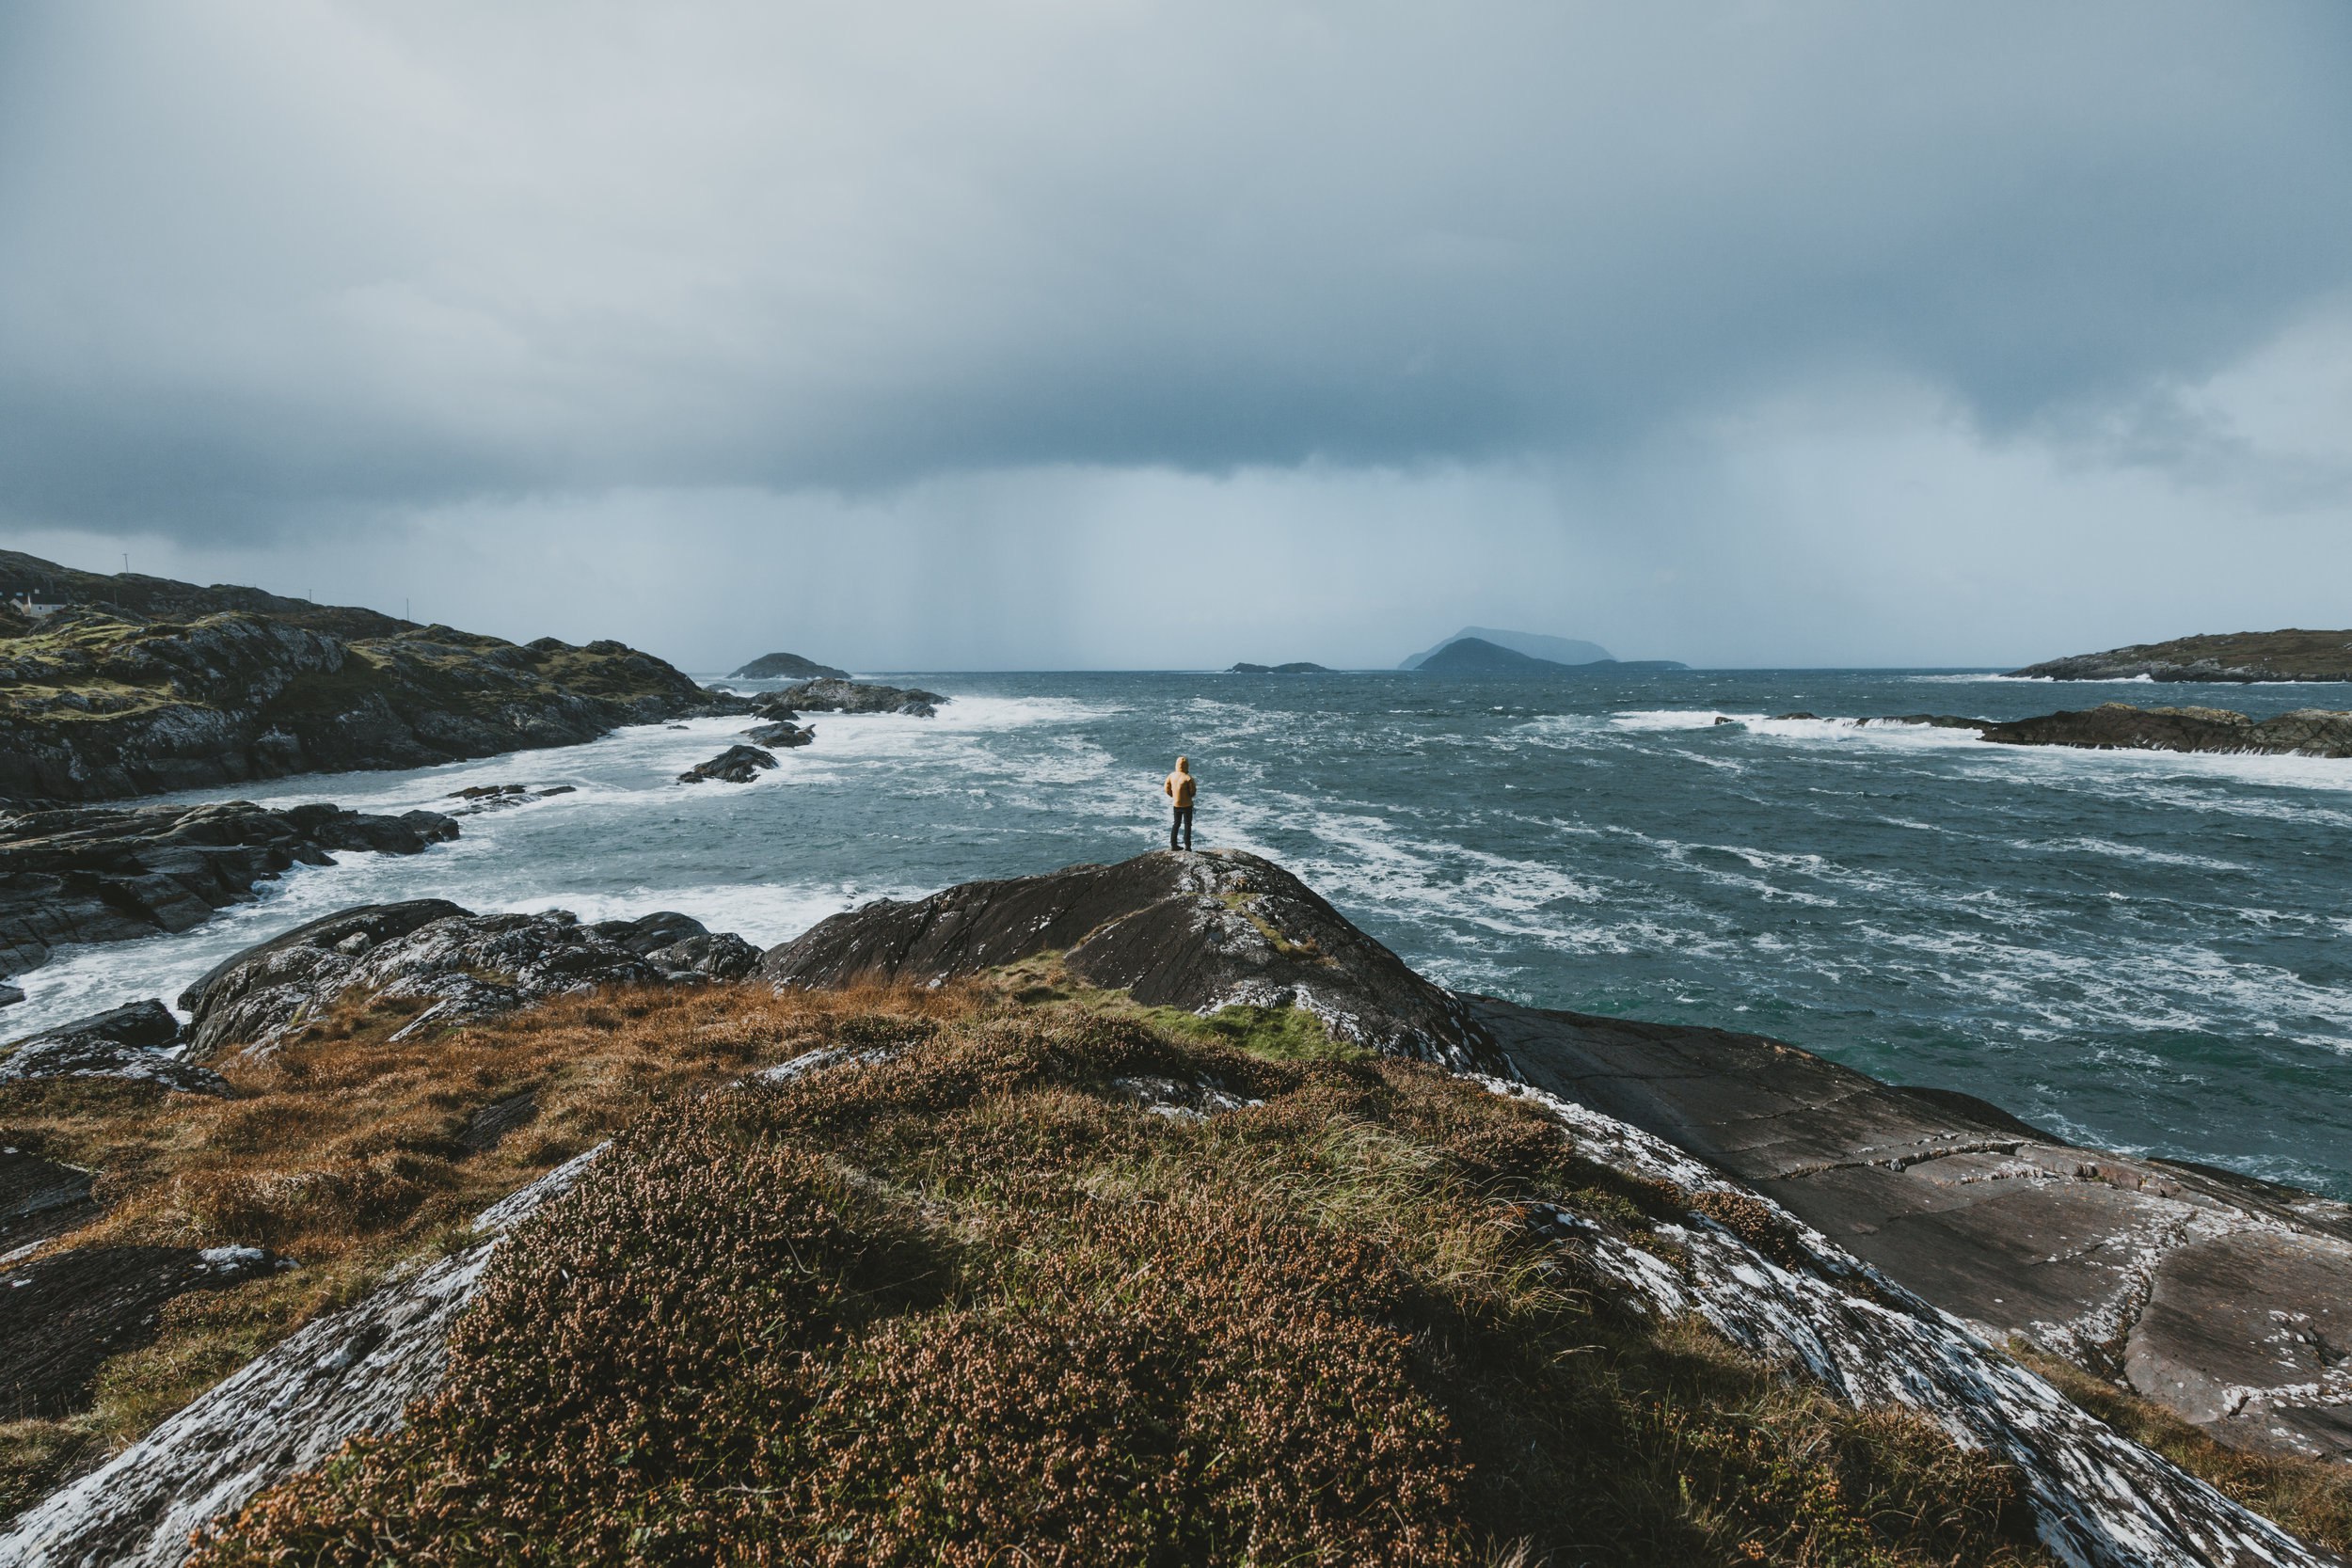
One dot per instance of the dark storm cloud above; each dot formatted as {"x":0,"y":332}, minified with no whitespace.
{"x":272,"y":261}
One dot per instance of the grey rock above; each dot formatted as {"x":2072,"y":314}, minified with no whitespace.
{"x":486,"y":1128}
{"x":782,"y":734}
{"x":462,"y":965}
{"x":845,"y":696}
{"x":126,"y":1043}
{"x":1198,"y":932}
{"x":736,"y":765}
{"x":10,"y":995}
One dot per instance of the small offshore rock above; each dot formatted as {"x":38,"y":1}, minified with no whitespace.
{"x":839,"y":696}
{"x":775,"y":666}
{"x":786,"y":735}
{"x":736,"y":765}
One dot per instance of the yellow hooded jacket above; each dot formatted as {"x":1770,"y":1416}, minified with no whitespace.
{"x":1181,"y":784}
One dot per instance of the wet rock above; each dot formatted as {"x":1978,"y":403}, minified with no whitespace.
{"x":88,"y":874}
{"x":2306,"y":732}
{"x":784,"y":734}
{"x":349,"y":1371}
{"x":41,"y":1198}
{"x":10,"y":995}
{"x":62,"y":1315}
{"x":845,"y":696}
{"x":462,"y":965}
{"x":127,"y":1042}
{"x":736,"y":765}
{"x":1197,"y":932}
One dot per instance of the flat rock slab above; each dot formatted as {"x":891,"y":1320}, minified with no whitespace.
{"x":2217,"y":1295}
{"x":62,"y":1315}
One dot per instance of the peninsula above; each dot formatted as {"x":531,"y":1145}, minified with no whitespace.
{"x":2238,"y":658}
{"x":131,"y":686}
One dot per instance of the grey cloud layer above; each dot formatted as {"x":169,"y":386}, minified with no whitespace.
{"x":260,"y":263}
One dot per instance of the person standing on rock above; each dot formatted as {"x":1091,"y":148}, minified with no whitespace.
{"x":1179,"y":788}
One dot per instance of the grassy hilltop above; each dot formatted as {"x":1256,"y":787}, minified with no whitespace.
{"x":1001,"y":1289}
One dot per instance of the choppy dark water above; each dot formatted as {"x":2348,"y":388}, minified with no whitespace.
{"x":2139,"y":950}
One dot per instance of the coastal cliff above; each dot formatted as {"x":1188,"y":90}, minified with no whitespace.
{"x":101,"y":702}
{"x":975,"y":1217}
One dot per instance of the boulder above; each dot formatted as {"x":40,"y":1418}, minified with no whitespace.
{"x":462,"y":965}
{"x":784,"y":734}
{"x":125,"y":1042}
{"x":736,"y":765}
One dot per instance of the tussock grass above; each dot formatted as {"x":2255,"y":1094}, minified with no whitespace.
{"x":977,"y":1304}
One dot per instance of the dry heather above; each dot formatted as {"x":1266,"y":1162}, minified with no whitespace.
{"x":344,"y":1152}
{"x":985,"y":1300}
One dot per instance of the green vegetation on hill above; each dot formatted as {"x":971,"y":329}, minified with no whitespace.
{"x":2289,"y":655}
{"x":96,"y":708}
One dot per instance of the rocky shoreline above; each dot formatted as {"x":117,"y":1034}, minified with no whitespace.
{"x":2230,"y":658}
{"x":1873,"y":1242}
{"x":2121,"y":726}
{"x":102,"y":701}
{"x":94,"y":874}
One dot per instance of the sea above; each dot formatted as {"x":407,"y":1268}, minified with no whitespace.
{"x":2135,"y":950}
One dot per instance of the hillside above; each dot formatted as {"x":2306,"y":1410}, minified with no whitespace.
{"x":787,"y":666}
{"x":1558,"y":650}
{"x":2226,"y":657}
{"x":96,"y":705}
{"x":1105,"y":1216}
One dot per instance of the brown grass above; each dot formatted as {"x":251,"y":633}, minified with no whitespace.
{"x":341,"y":1152}
{"x":975,"y":1305}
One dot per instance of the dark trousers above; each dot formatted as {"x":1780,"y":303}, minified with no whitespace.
{"x":1182,"y":822}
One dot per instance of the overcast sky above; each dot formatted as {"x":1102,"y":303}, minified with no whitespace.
{"x":1109,"y":333}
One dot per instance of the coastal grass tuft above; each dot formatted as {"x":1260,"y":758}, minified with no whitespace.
{"x":988,"y":1291}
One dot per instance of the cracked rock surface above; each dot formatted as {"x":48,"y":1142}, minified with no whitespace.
{"x":2225,"y":1298}
{"x":131,"y":1042}
{"x":462,"y":965}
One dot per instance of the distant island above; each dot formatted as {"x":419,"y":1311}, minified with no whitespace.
{"x":1300,"y":666}
{"x":1551,"y":650}
{"x":1475,"y":656}
{"x":2238,"y":658}
{"x":769,"y":667}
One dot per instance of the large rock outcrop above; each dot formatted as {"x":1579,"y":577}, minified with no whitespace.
{"x":63,"y":1314}
{"x":2310,"y":731}
{"x":2130,"y":1267}
{"x":102,"y":701}
{"x":1198,"y":932}
{"x":109,"y":874}
{"x":459,"y":964}
{"x":2236,"y":658}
